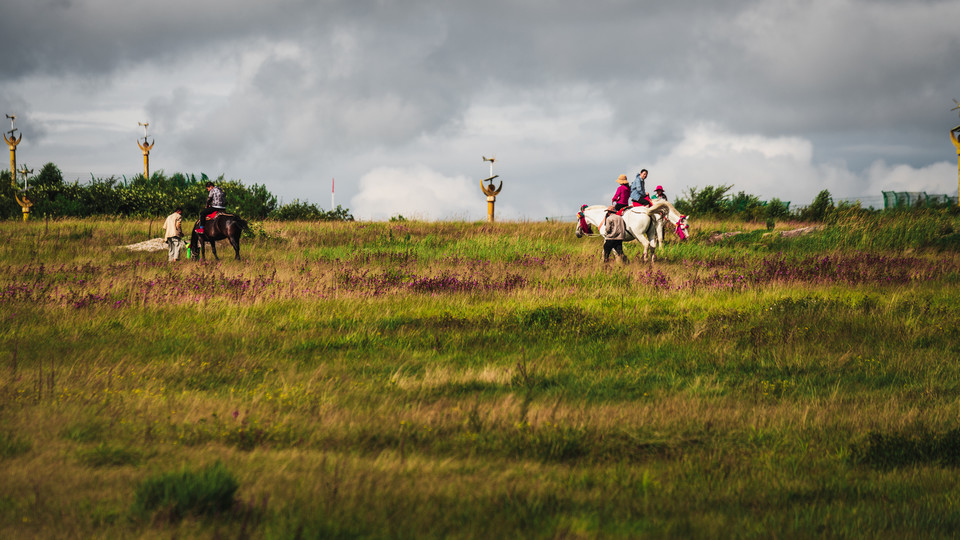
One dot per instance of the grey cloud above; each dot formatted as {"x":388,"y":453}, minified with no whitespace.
{"x":338,"y":84}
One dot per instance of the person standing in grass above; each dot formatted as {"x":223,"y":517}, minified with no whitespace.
{"x":614,"y":233}
{"x":173,"y":234}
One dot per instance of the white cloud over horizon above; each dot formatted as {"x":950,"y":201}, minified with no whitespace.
{"x":778,"y":98}
{"x":779,"y":167}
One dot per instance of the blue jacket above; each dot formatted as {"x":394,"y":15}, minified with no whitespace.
{"x":638,"y":189}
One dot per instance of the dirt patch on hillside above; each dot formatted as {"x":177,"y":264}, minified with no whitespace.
{"x":154,"y":244}
{"x":786,"y":234}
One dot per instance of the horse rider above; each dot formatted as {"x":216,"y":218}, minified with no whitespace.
{"x":614,"y":233}
{"x":215,"y":201}
{"x":658,"y":195}
{"x":621,"y":199}
{"x":638,"y":190}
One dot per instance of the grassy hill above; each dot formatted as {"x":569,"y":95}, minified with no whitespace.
{"x":411,"y":379}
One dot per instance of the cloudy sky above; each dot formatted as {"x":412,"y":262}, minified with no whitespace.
{"x":400,"y":100}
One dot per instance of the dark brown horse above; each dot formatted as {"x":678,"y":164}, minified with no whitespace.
{"x":223,"y":226}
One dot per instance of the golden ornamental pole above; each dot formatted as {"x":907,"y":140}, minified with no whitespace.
{"x":24,"y":203}
{"x":489,"y":190}
{"x":12,"y":141}
{"x":145,"y":146}
{"x":955,"y":139}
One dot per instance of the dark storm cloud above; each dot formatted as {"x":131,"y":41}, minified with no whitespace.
{"x":343,"y":85}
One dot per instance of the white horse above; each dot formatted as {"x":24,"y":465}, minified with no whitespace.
{"x":645,"y":223}
{"x":678,"y":220}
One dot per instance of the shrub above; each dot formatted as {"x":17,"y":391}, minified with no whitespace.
{"x":891,"y":450}
{"x":711,"y":200}
{"x":305,"y":211}
{"x":209,"y":491}
{"x":89,"y":431}
{"x":108,"y":456}
{"x":155,"y":196}
{"x":12,"y":446}
{"x":819,"y":209}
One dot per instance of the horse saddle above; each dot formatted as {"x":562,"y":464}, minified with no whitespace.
{"x":212,"y":215}
{"x":219,"y":213}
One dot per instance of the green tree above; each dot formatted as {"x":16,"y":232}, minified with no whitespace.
{"x":709,"y":200}
{"x":8,"y":205}
{"x":819,"y":209}
{"x":254,"y":202}
{"x":777,"y":209}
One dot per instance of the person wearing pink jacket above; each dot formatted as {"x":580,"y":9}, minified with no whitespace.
{"x":621,"y":199}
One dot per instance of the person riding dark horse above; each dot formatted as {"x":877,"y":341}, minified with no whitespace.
{"x":222,"y":226}
{"x":216,"y":202}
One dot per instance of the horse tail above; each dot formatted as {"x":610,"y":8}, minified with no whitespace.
{"x":243,"y":223}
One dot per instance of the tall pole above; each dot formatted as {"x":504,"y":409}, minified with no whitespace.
{"x":12,"y":141}
{"x":145,"y":146}
{"x":24,"y":203}
{"x":955,"y":139}
{"x":489,"y":190}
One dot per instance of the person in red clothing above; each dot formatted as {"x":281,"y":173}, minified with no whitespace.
{"x":621,"y":199}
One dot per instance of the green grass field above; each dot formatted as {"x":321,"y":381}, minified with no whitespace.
{"x":473,"y":380}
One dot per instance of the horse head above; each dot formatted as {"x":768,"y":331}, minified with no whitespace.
{"x":194,"y":241}
{"x":683,"y":228}
{"x":675,"y":217}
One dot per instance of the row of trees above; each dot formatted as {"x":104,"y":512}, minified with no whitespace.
{"x":156,"y":196}
{"x":717,"y":201}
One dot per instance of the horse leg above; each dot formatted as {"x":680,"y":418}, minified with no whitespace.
{"x":235,"y":242}
{"x":644,"y":244}
{"x":213,"y":248}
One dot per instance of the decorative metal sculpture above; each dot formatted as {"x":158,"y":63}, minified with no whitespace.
{"x":955,"y":139}
{"x":24,"y":203}
{"x":12,"y":141}
{"x":145,"y":146}
{"x":489,"y":190}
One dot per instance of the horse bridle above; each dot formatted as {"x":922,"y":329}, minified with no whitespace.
{"x":682,"y":227}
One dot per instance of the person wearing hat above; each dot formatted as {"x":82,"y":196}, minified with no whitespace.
{"x":621,"y":199}
{"x":659,"y":195}
{"x":614,"y":233}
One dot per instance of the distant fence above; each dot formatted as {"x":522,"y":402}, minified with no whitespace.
{"x":911,"y":199}
{"x":867,"y":201}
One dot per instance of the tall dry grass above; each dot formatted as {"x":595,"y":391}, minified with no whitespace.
{"x":465,"y":379}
